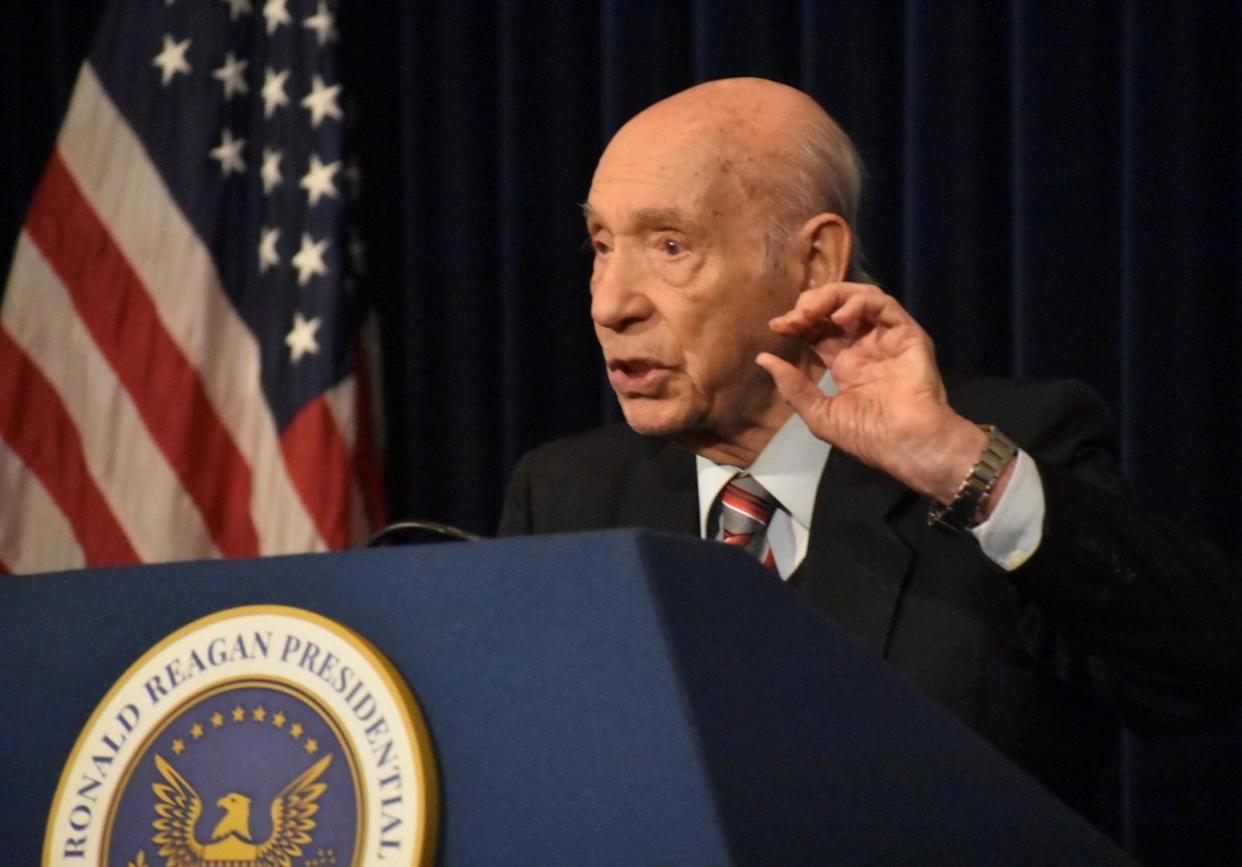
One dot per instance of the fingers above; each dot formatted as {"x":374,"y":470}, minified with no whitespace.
{"x":854,"y":308}
{"x":862,"y":312}
{"x":811,"y":309}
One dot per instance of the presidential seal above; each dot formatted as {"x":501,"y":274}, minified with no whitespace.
{"x":263,"y":735}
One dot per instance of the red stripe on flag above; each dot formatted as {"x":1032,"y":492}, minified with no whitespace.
{"x":367,"y":465}
{"x":34,"y":422}
{"x":318,"y":464}
{"x":165,"y":387}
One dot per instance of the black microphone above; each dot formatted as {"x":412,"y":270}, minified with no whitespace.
{"x":419,"y":533}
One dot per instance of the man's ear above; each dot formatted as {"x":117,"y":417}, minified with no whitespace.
{"x":827,"y":243}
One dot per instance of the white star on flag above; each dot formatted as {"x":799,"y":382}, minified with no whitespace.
{"x":318,"y":181}
{"x":172,"y":59}
{"x":322,"y":23}
{"x":271,"y":170}
{"x":232,"y":75}
{"x":322,"y":101}
{"x":267,"y":248}
{"x":276,"y":14}
{"x":309,"y":259}
{"x":301,"y":340}
{"x":228,"y":152}
{"x":237,"y":8}
{"x":274,"y":90}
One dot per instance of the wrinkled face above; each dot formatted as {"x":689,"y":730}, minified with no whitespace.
{"x":681,"y":294}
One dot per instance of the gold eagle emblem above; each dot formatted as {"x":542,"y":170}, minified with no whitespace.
{"x":179,"y":808}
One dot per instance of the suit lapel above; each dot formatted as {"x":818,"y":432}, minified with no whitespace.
{"x":857,"y":564}
{"x":670,"y":473}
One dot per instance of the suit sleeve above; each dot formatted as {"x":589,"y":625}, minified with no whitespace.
{"x":1155,"y":609}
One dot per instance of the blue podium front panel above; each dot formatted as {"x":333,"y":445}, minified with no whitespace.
{"x":608,"y":698}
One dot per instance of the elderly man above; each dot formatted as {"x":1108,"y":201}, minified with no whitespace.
{"x":774,"y":404}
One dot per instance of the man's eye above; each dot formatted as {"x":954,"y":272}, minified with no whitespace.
{"x":599,"y":247}
{"x":672,"y":247}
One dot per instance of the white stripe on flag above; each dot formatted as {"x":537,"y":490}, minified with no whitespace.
{"x":110,"y":164}
{"x":130,"y":469}
{"x":36,"y":537}
{"x":341,"y":400}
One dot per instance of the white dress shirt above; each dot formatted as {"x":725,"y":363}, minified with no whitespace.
{"x":791,"y":464}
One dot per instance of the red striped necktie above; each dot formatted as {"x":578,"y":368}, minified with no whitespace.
{"x":745,"y":510}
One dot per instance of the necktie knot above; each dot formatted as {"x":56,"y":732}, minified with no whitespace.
{"x":745,"y":510}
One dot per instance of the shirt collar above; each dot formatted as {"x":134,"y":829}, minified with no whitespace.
{"x":789,"y":467}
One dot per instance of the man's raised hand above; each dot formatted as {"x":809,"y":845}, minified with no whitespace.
{"x":890,"y":410}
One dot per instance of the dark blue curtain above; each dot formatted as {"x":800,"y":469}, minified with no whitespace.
{"x":1054,"y":189}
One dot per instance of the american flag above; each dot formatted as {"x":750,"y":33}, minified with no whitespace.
{"x":183,"y":369}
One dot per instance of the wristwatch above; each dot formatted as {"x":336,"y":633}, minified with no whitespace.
{"x":975,"y":489}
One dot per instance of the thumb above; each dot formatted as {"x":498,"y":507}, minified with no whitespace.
{"x":796,"y":388}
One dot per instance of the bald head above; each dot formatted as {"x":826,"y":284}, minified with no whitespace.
{"x":775,"y":141}
{"x":741,"y":105}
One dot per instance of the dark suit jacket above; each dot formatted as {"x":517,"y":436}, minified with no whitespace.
{"x":1114,"y":615}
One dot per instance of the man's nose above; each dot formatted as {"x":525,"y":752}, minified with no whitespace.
{"x":618,"y":298}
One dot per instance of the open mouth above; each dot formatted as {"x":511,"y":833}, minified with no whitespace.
{"x":632,"y":366}
{"x":635,"y":375}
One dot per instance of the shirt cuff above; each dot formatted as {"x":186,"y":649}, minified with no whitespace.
{"x":1013,"y":532}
